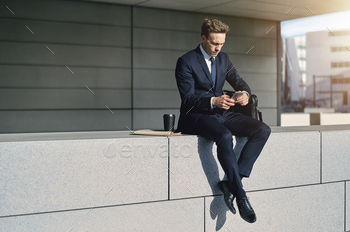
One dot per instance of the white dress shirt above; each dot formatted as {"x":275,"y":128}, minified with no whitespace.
{"x":206,"y":58}
{"x":208,"y":61}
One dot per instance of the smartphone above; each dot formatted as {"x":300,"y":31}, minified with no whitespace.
{"x":236,"y":95}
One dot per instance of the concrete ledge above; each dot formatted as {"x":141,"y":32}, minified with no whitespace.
{"x":100,"y":181}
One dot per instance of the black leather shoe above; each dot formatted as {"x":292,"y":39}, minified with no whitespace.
{"x":245,"y":210}
{"x":228,"y":196}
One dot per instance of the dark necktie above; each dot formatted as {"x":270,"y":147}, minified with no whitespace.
{"x":213,"y":70}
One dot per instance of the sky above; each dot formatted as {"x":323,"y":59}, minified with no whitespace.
{"x":299,"y":27}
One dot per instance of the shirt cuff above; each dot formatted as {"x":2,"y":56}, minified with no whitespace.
{"x":246,"y":93}
{"x":211,"y":103}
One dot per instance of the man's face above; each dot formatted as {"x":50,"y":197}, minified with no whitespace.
{"x":213,"y":44}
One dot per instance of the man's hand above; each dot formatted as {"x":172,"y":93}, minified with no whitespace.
{"x":223,"y":102}
{"x":243,"y":99}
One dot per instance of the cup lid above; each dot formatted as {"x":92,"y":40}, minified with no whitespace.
{"x":169,"y":115}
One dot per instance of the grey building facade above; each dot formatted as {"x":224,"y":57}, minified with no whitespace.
{"x":87,"y":66}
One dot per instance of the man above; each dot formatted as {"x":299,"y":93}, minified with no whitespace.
{"x":200,"y":76}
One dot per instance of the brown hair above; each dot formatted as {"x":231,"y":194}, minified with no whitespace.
{"x":213,"y":25}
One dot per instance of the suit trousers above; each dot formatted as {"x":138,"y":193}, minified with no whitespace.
{"x":219,"y":128}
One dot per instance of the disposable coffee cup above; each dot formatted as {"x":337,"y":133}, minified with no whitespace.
{"x":169,"y":122}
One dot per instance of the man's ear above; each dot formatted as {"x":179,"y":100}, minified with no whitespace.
{"x":204,"y":38}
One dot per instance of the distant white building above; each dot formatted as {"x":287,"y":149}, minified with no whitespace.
{"x":295,"y":80}
{"x":296,"y":55}
{"x":328,"y":63}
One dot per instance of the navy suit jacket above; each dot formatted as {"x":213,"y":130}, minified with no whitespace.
{"x":196,"y":86}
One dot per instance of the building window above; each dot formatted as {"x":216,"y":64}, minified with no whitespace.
{"x":340,"y":64}
{"x":340,"y":49}
{"x":339,"y":33}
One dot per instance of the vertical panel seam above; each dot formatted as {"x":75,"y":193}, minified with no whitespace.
{"x":168,"y":168}
{"x":321,"y":157}
{"x":204,"y":214}
{"x":279,"y":72}
{"x":345,"y":229}
{"x":132,"y":65}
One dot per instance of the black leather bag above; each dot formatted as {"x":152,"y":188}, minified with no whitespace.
{"x":251,"y":109}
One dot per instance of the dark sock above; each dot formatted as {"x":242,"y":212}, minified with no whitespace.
{"x":239,"y":194}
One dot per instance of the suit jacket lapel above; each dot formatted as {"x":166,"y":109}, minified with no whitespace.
{"x":204,"y":64}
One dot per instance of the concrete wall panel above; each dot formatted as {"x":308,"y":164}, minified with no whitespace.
{"x":269,"y":116}
{"x":154,"y":79}
{"x":312,"y":208}
{"x":241,"y":45}
{"x":167,"y":19}
{"x":194,"y":168}
{"x":44,"y":176}
{"x":153,"y":119}
{"x":64,"y":33}
{"x":175,"y":20}
{"x":250,"y":27}
{"x":22,"y":76}
{"x":297,"y":162}
{"x":197,"y":171}
{"x":166,"y":39}
{"x":172,"y":216}
{"x":80,"y":98}
{"x":64,"y":55}
{"x":18,"y":121}
{"x":157,"y":99}
{"x":335,"y":156}
{"x":156,"y":59}
{"x":69,"y":11}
